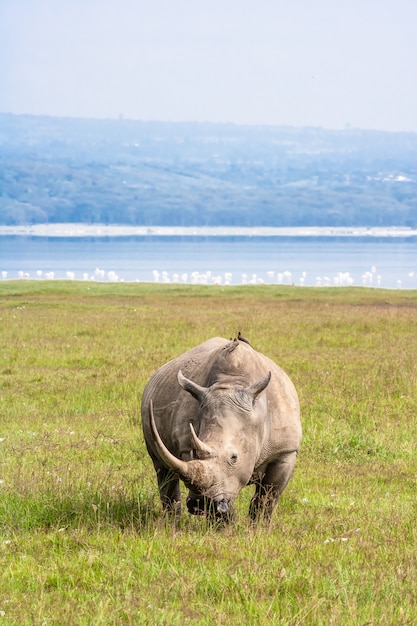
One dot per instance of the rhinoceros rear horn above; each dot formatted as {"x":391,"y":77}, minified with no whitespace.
{"x":195,"y":390}
{"x":255,"y":389}
{"x":199,"y":445}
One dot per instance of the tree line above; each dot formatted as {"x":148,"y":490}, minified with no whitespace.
{"x":148,"y":173}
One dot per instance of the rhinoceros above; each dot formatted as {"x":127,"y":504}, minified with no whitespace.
{"x":219,"y":417}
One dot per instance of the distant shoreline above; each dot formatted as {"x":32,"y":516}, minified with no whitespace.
{"x":106,"y":230}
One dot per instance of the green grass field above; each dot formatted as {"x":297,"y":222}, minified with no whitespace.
{"x":82,"y":538}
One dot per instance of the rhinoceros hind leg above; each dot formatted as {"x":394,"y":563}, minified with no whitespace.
{"x":169,"y":490}
{"x":271,"y":486}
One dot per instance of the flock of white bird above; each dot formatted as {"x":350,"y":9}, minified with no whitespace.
{"x":280,"y":278}
{"x":369,"y":279}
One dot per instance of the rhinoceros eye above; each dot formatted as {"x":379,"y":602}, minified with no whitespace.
{"x":233,"y":458}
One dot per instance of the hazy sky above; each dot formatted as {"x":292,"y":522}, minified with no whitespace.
{"x":322,"y":63}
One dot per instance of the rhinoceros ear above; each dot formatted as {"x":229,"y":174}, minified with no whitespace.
{"x":255,"y":389}
{"x":195,"y":390}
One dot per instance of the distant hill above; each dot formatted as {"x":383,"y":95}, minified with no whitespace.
{"x":55,"y":170}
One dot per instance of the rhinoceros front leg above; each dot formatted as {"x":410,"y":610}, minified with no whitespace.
{"x":271,"y":486}
{"x":169,"y":490}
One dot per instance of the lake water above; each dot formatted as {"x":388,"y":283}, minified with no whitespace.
{"x":385,"y":262}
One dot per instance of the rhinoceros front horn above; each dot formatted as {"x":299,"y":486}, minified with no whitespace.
{"x":193,"y":472}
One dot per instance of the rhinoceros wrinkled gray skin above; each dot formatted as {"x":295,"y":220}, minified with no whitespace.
{"x":219,"y":417}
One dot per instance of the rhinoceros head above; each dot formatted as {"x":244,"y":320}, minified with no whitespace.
{"x":231,"y":428}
